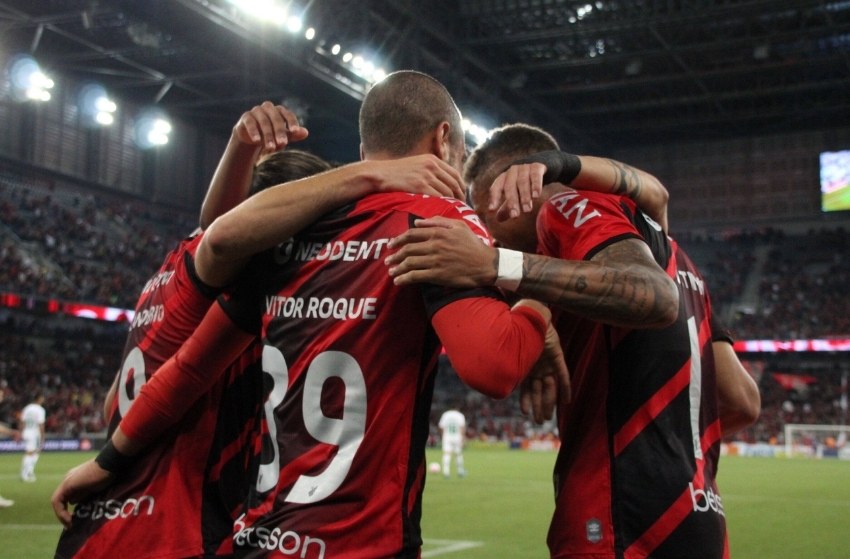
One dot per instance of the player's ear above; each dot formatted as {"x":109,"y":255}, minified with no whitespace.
{"x":362,"y":155}
{"x":441,"y":141}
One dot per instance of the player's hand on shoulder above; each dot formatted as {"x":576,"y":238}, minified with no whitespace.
{"x":79,"y":483}
{"x":514,"y":191}
{"x":417,"y":174}
{"x":548,"y":381}
{"x":269,"y":126}
{"x":442,"y":251}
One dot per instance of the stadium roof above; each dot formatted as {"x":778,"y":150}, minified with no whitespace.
{"x":598,"y":74}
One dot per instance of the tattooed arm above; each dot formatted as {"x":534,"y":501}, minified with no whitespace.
{"x":524,"y":180}
{"x":608,"y":176}
{"x":621,"y":285}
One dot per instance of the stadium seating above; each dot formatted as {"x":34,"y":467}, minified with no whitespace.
{"x":71,"y":361}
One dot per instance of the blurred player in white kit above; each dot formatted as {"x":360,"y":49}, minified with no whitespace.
{"x":32,"y":421}
{"x":453,"y":428}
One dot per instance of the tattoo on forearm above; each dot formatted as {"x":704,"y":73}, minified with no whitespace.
{"x":581,"y":283}
{"x":615,"y":288}
{"x":628,"y":180}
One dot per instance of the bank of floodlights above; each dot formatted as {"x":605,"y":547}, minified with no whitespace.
{"x":152,"y":129}
{"x":28,"y":81}
{"x":95,"y":105}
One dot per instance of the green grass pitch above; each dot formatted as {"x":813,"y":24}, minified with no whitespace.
{"x":776,"y":508}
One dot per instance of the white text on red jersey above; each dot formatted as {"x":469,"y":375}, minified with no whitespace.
{"x":347,"y":251}
{"x":690,"y":281}
{"x":349,"y":308}
{"x":158,"y":281}
{"x":571,"y":205}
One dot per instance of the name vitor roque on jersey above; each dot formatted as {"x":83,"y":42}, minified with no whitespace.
{"x":347,"y":308}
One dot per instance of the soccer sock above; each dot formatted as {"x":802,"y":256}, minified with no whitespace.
{"x":460,"y":469}
{"x":447,"y":462}
{"x":26,"y":465}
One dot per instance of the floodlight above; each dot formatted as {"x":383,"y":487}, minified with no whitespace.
{"x":104,"y":118}
{"x":95,"y":105}
{"x":478,"y":133}
{"x":28,"y":81}
{"x":152,"y":128}
{"x":379,"y":74}
{"x":105,"y":105}
{"x":294,"y":24}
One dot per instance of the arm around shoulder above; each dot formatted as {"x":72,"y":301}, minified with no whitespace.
{"x":622,"y":285}
{"x":738,"y":394}
{"x":491,"y":346}
{"x":183,"y":379}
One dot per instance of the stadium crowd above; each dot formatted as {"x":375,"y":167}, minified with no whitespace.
{"x":64,"y":245}
{"x":71,"y":361}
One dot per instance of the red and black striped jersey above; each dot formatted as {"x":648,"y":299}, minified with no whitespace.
{"x":351,"y":360}
{"x":157,"y":508}
{"x":635,"y":475}
{"x":236,"y":450}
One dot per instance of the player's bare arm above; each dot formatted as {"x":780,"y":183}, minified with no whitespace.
{"x":622,"y":285}
{"x":110,"y":396}
{"x":516,"y":186}
{"x":80,"y":482}
{"x":738,"y":394}
{"x":274,"y":215}
{"x":264,"y":129}
{"x":607,"y":175}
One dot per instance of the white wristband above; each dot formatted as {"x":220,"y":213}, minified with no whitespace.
{"x":510,"y":269}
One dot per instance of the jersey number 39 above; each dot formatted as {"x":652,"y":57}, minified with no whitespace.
{"x":346,"y":432}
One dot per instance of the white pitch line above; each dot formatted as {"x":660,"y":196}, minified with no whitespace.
{"x":448,"y":546}
{"x":46,"y":527}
